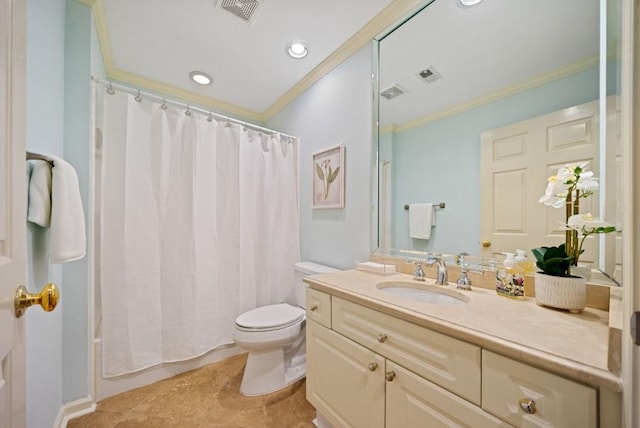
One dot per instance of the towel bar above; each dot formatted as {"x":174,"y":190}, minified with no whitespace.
{"x":440,"y":205}
{"x":36,"y":156}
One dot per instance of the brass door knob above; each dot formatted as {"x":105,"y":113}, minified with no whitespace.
{"x":485,"y":244}
{"x":390,"y":376}
{"x":373,"y":366}
{"x":382,"y":337}
{"x":47,"y":298}
{"x":527,"y":405}
{"x":313,"y":308}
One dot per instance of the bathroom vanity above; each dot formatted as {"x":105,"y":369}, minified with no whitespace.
{"x":381,"y":359}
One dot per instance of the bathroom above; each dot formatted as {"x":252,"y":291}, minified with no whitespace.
{"x":65,"y":53}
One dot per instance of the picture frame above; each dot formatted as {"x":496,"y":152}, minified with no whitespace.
{"x":328,"y":178}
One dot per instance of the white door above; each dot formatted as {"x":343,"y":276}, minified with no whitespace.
{"x":12,"y":210}
{"x":516,"y":161}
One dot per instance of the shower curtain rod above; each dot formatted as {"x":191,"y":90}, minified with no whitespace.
{"x":135,"y":91}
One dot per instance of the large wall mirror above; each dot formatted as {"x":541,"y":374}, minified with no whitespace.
{"x":479,"y":105}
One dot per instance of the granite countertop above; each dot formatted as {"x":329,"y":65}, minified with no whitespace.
{"x":572,"y":345}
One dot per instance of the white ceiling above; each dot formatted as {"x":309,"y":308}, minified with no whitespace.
{"x":483,"y":50}
{"x":154,"y":44}
{"x":158,"y":42}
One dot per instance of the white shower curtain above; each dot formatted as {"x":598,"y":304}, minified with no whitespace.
{"x":199,"y":222}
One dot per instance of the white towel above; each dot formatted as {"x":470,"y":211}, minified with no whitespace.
{"x":421,"y":220}
{"x":39,"y":210}
{"x":67,"y":235}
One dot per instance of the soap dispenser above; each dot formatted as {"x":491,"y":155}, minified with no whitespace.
{"x":509,"y":278}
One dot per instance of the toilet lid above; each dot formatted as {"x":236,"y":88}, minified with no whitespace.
{"x":272,"y":316}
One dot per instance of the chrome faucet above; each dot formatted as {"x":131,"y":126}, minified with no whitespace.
{"x":418,"y":274}
{"x":464,"y":282}
{"x":442,"y":277}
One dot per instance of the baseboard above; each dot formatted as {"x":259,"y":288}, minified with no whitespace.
{"x":74,"y":409}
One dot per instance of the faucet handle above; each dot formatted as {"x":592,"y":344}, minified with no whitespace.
{"x":460,"y":258}
{"x":418,"y":274}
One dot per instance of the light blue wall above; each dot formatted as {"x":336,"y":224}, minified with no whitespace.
{"x":44,"y":134}
{"x":58,"y":69}
{"x":336,"y":109}
{"x":439,"y":162}
{"x":75,"y":324}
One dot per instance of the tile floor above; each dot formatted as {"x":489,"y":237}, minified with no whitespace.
{"x":202,"y":398}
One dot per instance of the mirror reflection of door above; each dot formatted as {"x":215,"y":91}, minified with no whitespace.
{"x":516,"y":161}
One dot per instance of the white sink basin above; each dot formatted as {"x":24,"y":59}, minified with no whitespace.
{"x":423,"y":293}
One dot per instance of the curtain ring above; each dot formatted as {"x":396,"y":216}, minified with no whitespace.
{"x":187,"y":112}
{"x":110,"y":90}
{"x":138,"y":98}
{"x":164,"y":104}
{"x":210,"y":118}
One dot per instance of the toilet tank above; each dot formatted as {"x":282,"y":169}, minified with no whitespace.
{"x":302,"y":269}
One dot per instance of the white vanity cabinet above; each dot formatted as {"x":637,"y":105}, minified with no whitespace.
{"x":366,"y":368}
{"x":355,"y":386}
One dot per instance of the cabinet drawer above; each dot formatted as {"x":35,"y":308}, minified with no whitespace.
{"x":558,"y":402}
{"x":319,"y":307}
{"x":450,"y":363}
{"x":416,"y":402}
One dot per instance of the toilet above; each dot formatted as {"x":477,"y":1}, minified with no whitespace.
{"x":275,"y":338}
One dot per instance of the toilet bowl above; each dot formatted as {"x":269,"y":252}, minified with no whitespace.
{"x":274,"y":335}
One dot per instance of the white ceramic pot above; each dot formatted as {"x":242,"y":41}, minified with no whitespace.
{"x":561,"y":292}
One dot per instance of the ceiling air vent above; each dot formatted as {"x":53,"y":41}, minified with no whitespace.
{"x":392,"y":92}
{"x":243,"y":9}
{"x":429,"y":75}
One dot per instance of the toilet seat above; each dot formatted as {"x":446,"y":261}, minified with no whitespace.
{"x":269,"y":318}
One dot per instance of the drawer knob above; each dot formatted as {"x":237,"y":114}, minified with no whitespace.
{"x":527,"y":405}
{"x":390,"y":376}
{"x":313,"y":308}
{"x":373,"y":366}
{"x":382,"y":337}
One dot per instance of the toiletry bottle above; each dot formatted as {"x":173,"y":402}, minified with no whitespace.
{"x":527,"y":267}
{"x":510,"y":278}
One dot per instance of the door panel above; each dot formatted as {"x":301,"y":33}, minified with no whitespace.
{"x":516,"y":161}
{"x":12,"y":209}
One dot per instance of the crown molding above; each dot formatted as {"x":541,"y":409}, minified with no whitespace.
{"x":182,"y":94}
{"x":502,"y":93}
{"x":394,"y":12}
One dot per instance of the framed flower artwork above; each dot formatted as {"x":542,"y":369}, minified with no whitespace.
{"x":328,"y":178}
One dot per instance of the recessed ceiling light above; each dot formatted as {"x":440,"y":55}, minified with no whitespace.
{"x":297,"y":50}
{"x":469,"y":2}
{"x":200,"y":78}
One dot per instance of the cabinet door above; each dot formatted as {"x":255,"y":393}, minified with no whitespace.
{"x":345,"y":381}
{"x":415,"y":402}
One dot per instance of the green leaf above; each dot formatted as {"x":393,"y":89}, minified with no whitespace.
{"x":319,"y":172}
{"x":553,"y":260}
{"x":333,"y":176}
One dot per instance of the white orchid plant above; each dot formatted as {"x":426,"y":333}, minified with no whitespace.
{"x":572,"y":183}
